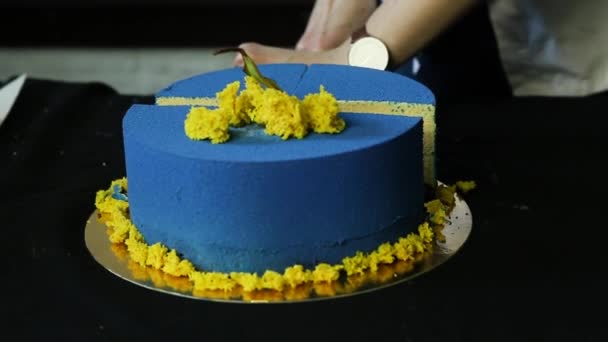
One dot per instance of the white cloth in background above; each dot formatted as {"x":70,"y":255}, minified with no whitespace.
{"x":553,"y":47}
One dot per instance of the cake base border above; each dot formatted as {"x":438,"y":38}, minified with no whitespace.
{"x":455,"y":233}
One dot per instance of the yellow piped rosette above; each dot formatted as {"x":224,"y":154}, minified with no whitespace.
{"x":281,"y":114}
{"x":165,"y":266}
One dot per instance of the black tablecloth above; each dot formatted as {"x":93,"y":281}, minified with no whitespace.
{"x":531,"y":270}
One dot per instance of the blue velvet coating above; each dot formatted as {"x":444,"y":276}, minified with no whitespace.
{"x":242,"y":207}
{"x":207,"y":85}
{"x":348,"y":83}
{"x":257,"y":202}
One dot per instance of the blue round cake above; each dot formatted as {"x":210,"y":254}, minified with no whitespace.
{"x":258,"y":202}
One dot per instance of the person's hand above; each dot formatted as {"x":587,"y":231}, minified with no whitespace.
{"x":402,"y":25}
{"x":325,"y":39}
{"x":331,"y":22}
{"x":263,"y":54}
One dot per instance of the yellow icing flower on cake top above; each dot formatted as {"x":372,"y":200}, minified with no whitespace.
{"x":281,"y":114}
{"x":321,"y":111}
{"x":202,"y":123}
{"x":232,"y":107}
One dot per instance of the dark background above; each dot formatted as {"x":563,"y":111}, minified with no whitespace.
{"x":153,"y":23}
{"x":533,"y":269}
{"x":461,"y":61}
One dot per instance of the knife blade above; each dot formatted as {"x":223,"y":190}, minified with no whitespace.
{"x":8,"y":95}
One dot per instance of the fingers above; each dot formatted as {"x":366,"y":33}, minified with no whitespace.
{"x":319,"y":17}
{"x":263,"y":54}
{"x":238,"y":60}
{"x":333,"y":21}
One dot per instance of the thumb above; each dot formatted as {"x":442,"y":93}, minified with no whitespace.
{"x":238,"y":60}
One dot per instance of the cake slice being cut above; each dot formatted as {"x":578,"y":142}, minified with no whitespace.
{"x":359,"y":90}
